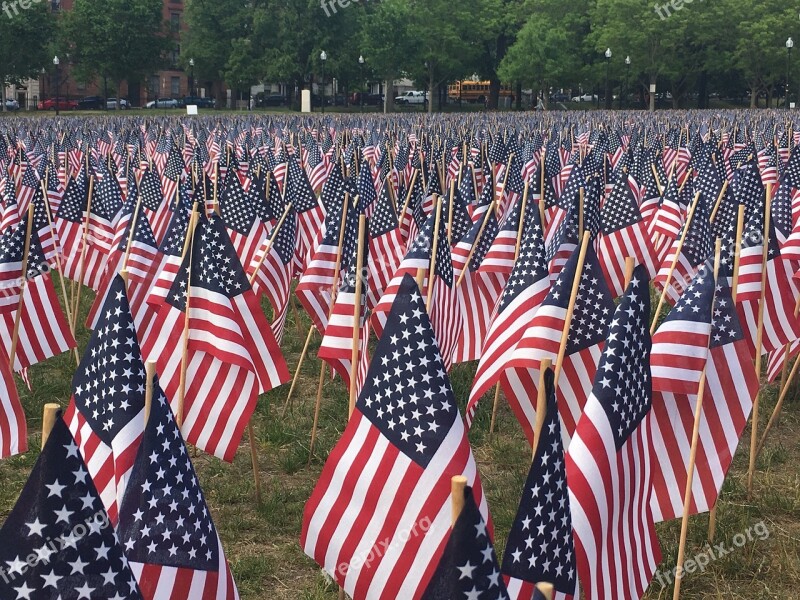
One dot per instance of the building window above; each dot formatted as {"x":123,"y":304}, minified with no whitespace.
{"x":155,"y":86}
{"x":81,"y":86}
{"x":174,"y":56}
{"x":175,"y":86}
{"x":175,"y":22}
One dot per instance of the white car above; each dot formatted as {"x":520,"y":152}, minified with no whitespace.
{"x":412,"y":97}
{"x":111,"y":104}
{"x":11,"y":104}
{"x":163,"y":103}
{"x":585,"y":98}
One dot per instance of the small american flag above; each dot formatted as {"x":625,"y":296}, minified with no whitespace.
{"x":609,"y":471}
{"x":57,"y":502}
{"x":13,"y":428}
{"x":165,"y":526}
{"x":385,"y":247}
{"x":242,"y":222}
{"x":387,"y":481}
{"x":540,"y":546}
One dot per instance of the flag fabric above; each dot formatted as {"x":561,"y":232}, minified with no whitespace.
{"x":609,"y":463}
{"x":540,"y":546}
{"x":59,"y":520}
{"x":13,"y":428}
{"x":731,"y":387}
{"x":587,"y":333}
{"x":165,"y":526}
{"x":388,"y":478}
{"x":468,"y":568}
{"x":232,"y":355}
{"x":385,"y":247}
{"x":106,"y":411}
{"x":523,"y":294}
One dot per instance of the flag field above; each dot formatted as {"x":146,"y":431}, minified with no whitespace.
{"x":261,"y":541}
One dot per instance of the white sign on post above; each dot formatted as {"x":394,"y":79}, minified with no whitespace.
{"x":191,"y":109}
{"x":305,"y":101}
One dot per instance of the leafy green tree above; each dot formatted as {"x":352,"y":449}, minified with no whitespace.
{"x":24,"y":46}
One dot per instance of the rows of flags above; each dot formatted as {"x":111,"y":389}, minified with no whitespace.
{"x":516,"y":243}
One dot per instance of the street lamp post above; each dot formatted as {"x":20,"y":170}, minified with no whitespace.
{"x":789,"y":46}
{"x":57,"y":62}
{"x":323,"y":56}
{"x":361,"y":73}
{"x":191,"y":78}
{"x":627,"y":78}
{"x":608,"y":78}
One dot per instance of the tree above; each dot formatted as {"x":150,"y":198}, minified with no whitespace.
{"x":24,"y":49}
{"x":123,"y":41}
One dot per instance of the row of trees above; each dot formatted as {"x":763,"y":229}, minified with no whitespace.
{"x":688,"y":47}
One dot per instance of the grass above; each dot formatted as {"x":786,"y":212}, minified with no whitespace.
{"x":261,"y":540}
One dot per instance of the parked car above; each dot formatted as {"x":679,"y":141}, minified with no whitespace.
{"x":90,"y":103}
{"x":369,"y":99}
{"x":63,"y":104}
{"x":411,"y":97}
{"x":559,"y":97}
{"x":272,"y":100}
{"x":12,"y":104}
{"x":585,"y":98}
{"x":197,"y":101}
{"x":111,"y":104}
{"x":162,"y":103}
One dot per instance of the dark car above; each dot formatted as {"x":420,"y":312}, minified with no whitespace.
{"x":369,"y":99}
{"x":559,"y":97}
{"x":91,"y":103}
{"x":197,"y":101}
{"x":273,"y":100}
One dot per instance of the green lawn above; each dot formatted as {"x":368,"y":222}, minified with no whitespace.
{"x":262,"y":540}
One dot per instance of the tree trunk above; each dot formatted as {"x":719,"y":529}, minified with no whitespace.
{"x":388,"y":100}
{"x":431,"y":86}
{"x":753,"y":97}
{"x":519,"y":96}
{"x":702,"y":90}
{"x":494,"y":93}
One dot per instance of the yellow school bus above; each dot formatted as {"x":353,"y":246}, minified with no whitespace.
{"x":474,"y":91}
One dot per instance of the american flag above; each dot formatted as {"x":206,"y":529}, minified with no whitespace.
{"x":468,"y":568}
{"x":500,"y":256}
{"x":13,"y":242}
{"x":609,"y":472}
{"x":623,"y":235}
{"x":592,"y":314}
{"x":310,"y":214}
{"x":55,"y":190}
{"x":28,"y":186}
{"x":365,"y":185}
{"x":752,"y":252}
{"x":680,"y":345}
{"x":165,"y":526}
{"x":671,"y":214}
{"x":521,"y":298}
{"x":388,"y":478}
{"x":731,"y":386}
{"x":69,"y":223}
{"x":316,"y":285}
{"x":172,"y":175}
{"x":273,"y":273}
{"x":385,"y":247}
{"x":57,"y":502}
{"x":13,"y":428}
{"x":158,"y":210}
{"x":242,"y":222}
{"x":540,"y":547}
{"x":478,"y":292}
{"x":106,"y":411}
{"x":232,"y":355}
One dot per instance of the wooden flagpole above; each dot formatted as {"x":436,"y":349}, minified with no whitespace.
{"x":150,"y":373}
{"x":59,"y":268}
{"x":541,"y":405}
{"x":334,"y":288}
{"x":458,"y":484}
{"x":81,"y":271}
{"x":434,"y":250}
{"x":667,"y":283}
{"x":450,"y":212}
{"x":187,"y":247}
{"x":562,"y":349}
{"x":49,"y":420}
{"x":486,"y":216}
{"x":759,"y":338}
{"x":362,"y":221}
{"x":687,"y":496}
{"x":24,"y":278}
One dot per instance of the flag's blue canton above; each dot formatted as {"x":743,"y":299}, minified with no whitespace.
{"x":142,"y":232}
{"x":570,"y":195}
{"x":792,"y":173}
{"x":365,"y":186}
{"x":531,"y":265}
{"x":384,"y":218}
{"x":272,"y":207}
{"x":748,"y":189}
{"x":623,"y":383}
{"x":594,"y":304}
{"x":12,"y":247}
{"x":109,"y":383}
{"x":484,"y":243}
{"x":214,"y":265}
{"x":725,"y":219}
{"x":567,"y":232}
{"x":467,"y":187}
{"x":620,"y":209}
{"x":333,"y":188}
{"x":30,"y":178}
{"x":164,"y":519}
{"x":407,"y":395}
{"x":107,"y":198}
{"x":60,"y":520}
{"x":75,"y":199}
{"x":175,"y":165}
{"x":695,"y":303}
{"x":298,"y":188}
{"x":150,"y":190}
{"x":173,"y":242}
{"x":468,"y":569}
{"x":540,"y":546}
{"x":285,"y":239}
{"x":552,"y":160}
{"x":708,"y":183}
{"x":444,"y":259}
{"x":238,"y":212}
{"x":725,"y":326}
{"x":781,"y":208}
{"x":698,"y":245}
